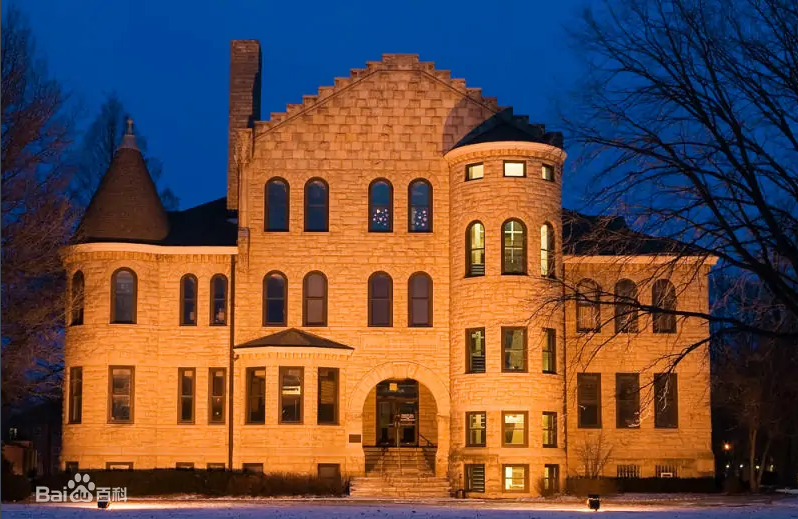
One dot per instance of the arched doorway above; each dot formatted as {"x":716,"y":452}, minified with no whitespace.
{"x":404,"y":415}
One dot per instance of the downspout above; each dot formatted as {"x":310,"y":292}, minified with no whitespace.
{"x":230,"y":399}
{"x":565,"y":370}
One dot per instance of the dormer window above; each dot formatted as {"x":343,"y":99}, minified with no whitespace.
{"x":514,"y":168}
{"x":475,"y":171}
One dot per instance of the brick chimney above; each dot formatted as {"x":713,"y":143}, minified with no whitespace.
{"x":245,"y":62}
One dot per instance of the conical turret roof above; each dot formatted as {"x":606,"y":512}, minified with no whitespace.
{"x":126,"y":206}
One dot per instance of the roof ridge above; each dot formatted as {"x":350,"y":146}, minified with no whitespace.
{"x":388,"y":63}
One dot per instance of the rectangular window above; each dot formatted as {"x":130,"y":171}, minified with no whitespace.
{"x":588,"y":389}
{"x":475,"y":363}
{"x":551,"y":479}
{"x":627,"y":400}
{"x":119,"y":465}
{"x":474,"y":171}
{"x":514,"y":346}
{"x":328,"y":397}
{"x":666,"y":401}
{"x":516,"y":478}
{"x":628,"y":471}
{"x":475,"y":434}
{"x":514,"y":168}
{"x":329,"y":472}
{"x":75,"y":395}
{"x":256,"y":395}
{"x":514,"y":423}
{"x":70,"y":467}
{"x":549,"y":429}
{"x":217,"y":392}
{"x":216,"y":466}
{"x":184,"y":465}
{"x":666,"y":471}
{"x":547,"y":172}
{"x":185,"y":391}
{"x":120,"y":394}
{"x":549,"y":350}
{"x":253,"y":468}
{"x":475,"y":478}
{"x":291,"y":394}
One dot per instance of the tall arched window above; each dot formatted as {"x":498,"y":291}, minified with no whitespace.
{"x":420,"y":300}
{"x":663,"y":295}
{"x":475,"y":250}
{"x":219,"y":300}
{"x":275,"y":215}
{"x":513,"y":247}
{"x":626,"y":306}
{"x":315,"y":300}
{"x":317,"y":205}
{"x":188,"y":300}
{"x":123,"y":297}
{"x":588,"y":312}
{"x":380,"y":206}
{"x":380,"y":299}
{"x":78,"y":298}
{"x":547,"y":247}
{"x":420,"y":212}
{"x":275,"y":309}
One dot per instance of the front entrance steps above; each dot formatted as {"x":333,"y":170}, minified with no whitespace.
{"x":400,"y":473}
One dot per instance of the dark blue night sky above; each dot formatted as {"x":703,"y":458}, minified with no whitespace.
{"x":168,"y":60}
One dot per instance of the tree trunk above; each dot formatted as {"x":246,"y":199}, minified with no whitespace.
{"x":753,"y":481}
{"x":764,"y":463}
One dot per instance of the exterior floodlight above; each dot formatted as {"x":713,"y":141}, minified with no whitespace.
{"x":593,"y":502}
{"x":727,"y":446}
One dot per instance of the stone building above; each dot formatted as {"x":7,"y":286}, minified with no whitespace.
{"x":365,"y":302}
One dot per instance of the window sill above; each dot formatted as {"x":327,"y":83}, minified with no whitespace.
{"x":549,"y":446}
{"x":588,"y":427}
{"x":475,"y":372}
{"x":517,"y":371}
{"x":275,"y":230}
{"x":255,"y":423}
{"x":274,"y":325}
{"x":120,"y":423}
{"x":375,"y":231}
{"x":188,"y":325}
{"x":549,"y":372}
{"x":468,"y":276}
{"x":186,"y":423}
{"x":516,"y":274}
{"x":418,"y":231}
{"x":120,"y":322}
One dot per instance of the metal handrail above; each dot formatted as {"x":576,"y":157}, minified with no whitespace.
{"x":429,"y":443}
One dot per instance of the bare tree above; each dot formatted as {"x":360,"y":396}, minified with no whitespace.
{"x":96,"y":151}
{"x":594,"y":452}
{"x":687,"y":115}
{"x":37,"y":217}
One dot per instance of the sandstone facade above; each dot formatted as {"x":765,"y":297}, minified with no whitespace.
{"x":399,"y":120}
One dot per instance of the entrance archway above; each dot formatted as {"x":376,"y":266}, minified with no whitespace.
{"x":404,"y":388}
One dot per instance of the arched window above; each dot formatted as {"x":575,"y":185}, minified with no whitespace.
{"x":219,"y":300}
{"x":315,"y":299}
{"x":475,"y":250}
{"x":275,"y":214}
{"x":380,"y":206}
{"x":380,"y":299}
{"x":663,"y":295}
{"x":420,"y":300}
{"x":588,"y":313}
{"x":547,"y":246}
{"x":514,"y":247}
{"x":188,"y":300}
{"x":317,"y":205}
{"x":275,"y":309}
{"x":420,"y":213}
{"x":626,"y":306}
{"x":78,"y":288}
{"x":123,"y":297}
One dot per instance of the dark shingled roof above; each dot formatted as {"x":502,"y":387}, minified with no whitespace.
{"x":207,"y":224}
{"x":584,"y":235}
{"x":504,"y":126}
{"x":126,"y":206}
{"x":295,"y":338}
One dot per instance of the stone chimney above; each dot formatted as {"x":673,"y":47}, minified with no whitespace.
{"x":244,"y":109}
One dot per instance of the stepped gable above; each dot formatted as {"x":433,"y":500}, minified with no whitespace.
{"x":389,"y":63}
{"x":505,"y":126}
{"x":126,"y":206}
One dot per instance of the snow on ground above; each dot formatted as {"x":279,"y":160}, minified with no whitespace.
{"x":626,"y":508}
